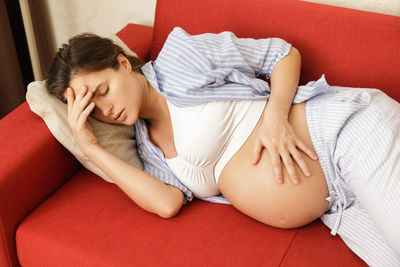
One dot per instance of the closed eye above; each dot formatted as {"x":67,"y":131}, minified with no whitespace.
{"x":105,"y":92}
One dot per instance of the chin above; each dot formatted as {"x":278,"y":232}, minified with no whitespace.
{"x":128,"y":121}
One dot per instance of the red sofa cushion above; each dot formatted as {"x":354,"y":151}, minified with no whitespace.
{"x":89,"y":222}
{"x":33,"y":164}
{"x":138,"y":38}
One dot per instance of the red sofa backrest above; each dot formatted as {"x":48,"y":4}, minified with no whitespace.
{"x":353,"y":48}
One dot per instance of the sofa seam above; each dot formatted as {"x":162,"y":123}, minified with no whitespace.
{"x":288,"y":248}
{"x":5,"y":243}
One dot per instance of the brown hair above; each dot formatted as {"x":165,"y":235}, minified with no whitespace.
{"x":84,"y":53}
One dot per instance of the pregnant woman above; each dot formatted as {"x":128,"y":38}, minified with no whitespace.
{"x":206,"y":126}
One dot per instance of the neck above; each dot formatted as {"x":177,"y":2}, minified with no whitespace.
{"x":154,"y":106}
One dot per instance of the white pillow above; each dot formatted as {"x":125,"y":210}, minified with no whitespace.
{"x":117,"y":139}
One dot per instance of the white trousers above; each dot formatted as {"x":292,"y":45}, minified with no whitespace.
{"x":356,"y":134}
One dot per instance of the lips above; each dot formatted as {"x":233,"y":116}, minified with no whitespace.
{"x":120,"y":116}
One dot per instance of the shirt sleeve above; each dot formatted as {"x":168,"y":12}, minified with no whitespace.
{"x":209,"y":66}
{"x":255,"y":57}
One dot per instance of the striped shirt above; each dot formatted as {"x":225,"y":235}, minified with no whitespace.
{"x":193,"y":69}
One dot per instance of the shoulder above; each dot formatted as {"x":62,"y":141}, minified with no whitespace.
{"x":175,"y":44}
{"x":179,"y":34}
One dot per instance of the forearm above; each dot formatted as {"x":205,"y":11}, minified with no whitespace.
{"x":276,"y":134}
{"x":284,"y":82}
{"x":145,"y":190}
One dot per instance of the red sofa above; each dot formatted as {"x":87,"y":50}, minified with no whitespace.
{"x":55,"y":213}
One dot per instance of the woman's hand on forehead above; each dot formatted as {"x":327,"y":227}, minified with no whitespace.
{"x":79,"y":108}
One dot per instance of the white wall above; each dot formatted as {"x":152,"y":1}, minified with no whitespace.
{"x":103,"y":17}
{"x":66,"y":18}
{"x":389,"y":7}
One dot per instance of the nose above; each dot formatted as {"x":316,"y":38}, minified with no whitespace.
{"x":106,"y":109}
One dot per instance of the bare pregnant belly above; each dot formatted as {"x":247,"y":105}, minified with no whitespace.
{"x":254,"y":191}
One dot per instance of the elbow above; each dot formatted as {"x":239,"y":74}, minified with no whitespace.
{"x":294,"y":52}
{"x":169,"y":213}
{"x":173,"y":208}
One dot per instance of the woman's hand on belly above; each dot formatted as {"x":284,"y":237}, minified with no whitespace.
{"x":276,"y":134}
{"x":253,"y":190}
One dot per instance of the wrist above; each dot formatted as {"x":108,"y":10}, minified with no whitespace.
{"x":92,"y":150}
{"x":277,"y":111}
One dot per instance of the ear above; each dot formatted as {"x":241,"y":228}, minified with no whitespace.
{"x":124,"y":62}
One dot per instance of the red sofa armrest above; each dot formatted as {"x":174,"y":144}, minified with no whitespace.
{"x":138,"y":38}
{"x":33,"y":165}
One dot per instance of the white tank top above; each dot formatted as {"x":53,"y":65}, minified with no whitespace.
{"x":206,"y":137}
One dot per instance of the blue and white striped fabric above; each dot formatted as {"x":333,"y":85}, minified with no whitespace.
{"x":193,"y":69}
{"x":356,"y":135}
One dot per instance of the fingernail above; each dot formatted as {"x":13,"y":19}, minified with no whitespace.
{"x":296,"y":180}
{"x":308,"y":174}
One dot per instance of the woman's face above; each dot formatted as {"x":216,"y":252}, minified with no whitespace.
{"x":117,"y":94}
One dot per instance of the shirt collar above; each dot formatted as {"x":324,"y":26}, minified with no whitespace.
{"x":150,"y":74}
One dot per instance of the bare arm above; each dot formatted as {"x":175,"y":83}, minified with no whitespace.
{"x":276,"y":134}
{"x":148,"y":192}
{"x":145,"y":190}
{"x":284,"y":82}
